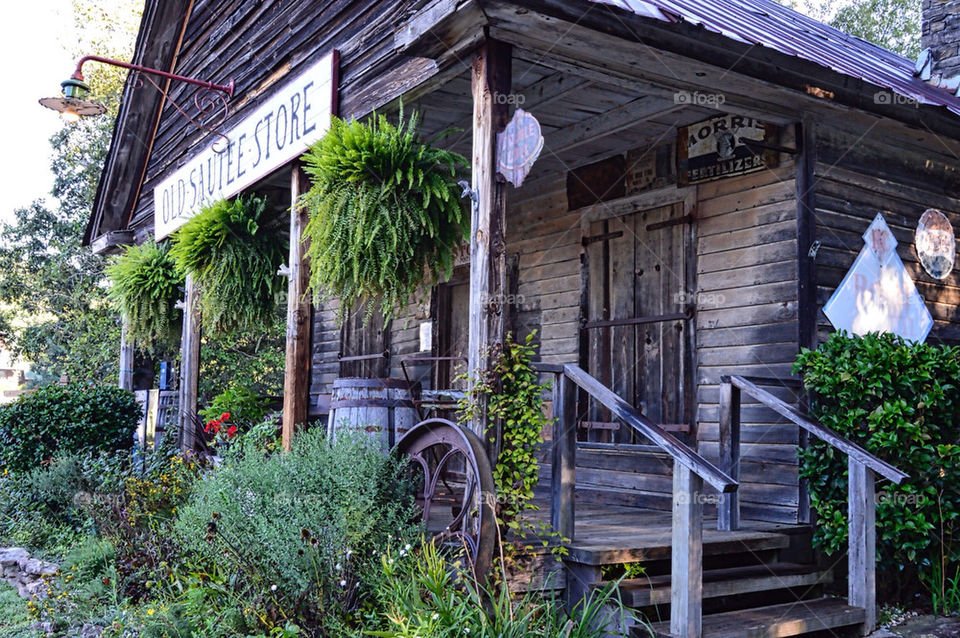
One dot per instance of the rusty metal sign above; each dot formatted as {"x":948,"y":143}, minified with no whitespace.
{"x":935,"y":243}
{"x":723,"y":147}
{"x":518,"y":147}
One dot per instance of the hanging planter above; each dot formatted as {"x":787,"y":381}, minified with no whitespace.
{"x":385,"y":213}
{"x":145,"y":285}
{"x":233,"y":259}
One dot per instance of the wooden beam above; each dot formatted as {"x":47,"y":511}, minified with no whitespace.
{"x":728,"y":513}
{"x":111,"y":242}
{"x":490,"y":78}
{"x":563,"y":484}
{"x":296,"y":376}
{"x":126,"y":355}
{"x":862,"y":554}
{"x":608,"y":123}
{"x":686,"y":564}
{"x":189,"y":366}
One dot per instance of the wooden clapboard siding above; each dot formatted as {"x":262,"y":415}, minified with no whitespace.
{"x":857,"y":177}
{"x":324,"y":366}
{"x":747,"y":323}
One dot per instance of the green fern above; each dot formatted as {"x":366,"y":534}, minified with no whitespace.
{"x":233,"y":260}
{"x":145,"y":285}
{"x":385,"y":213}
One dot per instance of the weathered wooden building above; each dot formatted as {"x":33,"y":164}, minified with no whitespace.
{"x":666,"y":282}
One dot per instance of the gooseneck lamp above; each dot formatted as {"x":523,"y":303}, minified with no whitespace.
{"x":74,"y":103}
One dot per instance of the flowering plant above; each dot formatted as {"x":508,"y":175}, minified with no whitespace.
{"x":220,"y":429}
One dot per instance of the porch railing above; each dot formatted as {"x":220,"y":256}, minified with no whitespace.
{"x":690,"y":471}
{"x":861,"y":494}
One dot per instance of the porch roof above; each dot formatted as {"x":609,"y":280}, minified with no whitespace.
{"x":772,"y":25}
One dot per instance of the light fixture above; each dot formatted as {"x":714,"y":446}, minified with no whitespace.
{"x":74,"y":103}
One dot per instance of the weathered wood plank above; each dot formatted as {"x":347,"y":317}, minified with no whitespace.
{"x":728,"y":513}
{"x":686,"y":565}
{"x":189,"y":366}
{"x":862,"y":554}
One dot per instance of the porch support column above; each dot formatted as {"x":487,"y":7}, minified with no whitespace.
{"x":189,"y":366}
{"x":296,"y":377}
{"x":490,"y":80}
{"x":126,"y":354}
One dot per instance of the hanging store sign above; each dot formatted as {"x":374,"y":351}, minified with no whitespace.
{"x":518,"y":147}
{"x":721,"y":147}
{"x":279,"y":130}
{"x":935,"y":243}
{"x":877,"y":294}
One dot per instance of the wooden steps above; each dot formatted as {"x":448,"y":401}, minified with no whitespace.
{"x":775,"y":621}
{"x":731,"y":581}
{"x":655,"y":545}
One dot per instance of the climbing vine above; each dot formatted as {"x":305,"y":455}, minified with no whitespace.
{"x":385,"y":213}
{"x":515,"y":397}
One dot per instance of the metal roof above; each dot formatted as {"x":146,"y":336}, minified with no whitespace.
{"x":769,"y":24}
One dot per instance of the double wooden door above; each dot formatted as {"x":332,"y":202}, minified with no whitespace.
{"x":639,"y":306}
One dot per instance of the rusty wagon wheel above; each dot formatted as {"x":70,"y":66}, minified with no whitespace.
{"x":454,"y":489}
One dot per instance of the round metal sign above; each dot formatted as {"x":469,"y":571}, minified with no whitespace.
{"x":935,"y":243}
{"x":518,"y":147}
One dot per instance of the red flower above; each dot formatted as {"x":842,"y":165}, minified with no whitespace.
{"x":216,"y":426}
{"x":232,"y":431}
{"x":225,"y":416}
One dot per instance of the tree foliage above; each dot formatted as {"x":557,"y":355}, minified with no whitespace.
{"x":892,"y":24}
{"x":55,"y":313}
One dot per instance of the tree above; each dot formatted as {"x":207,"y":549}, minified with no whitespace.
{"x":53,"y":307}
{"x":892,"y":24}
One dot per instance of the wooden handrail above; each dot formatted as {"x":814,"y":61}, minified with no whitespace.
{"x":823,"y":433}
{"x":670,"y":444}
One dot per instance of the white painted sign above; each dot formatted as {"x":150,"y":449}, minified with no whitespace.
{"x":877,"y":294}
{"x":279,"y":130}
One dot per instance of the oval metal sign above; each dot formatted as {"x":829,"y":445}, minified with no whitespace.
{"x":935,"y":243}
{"x":518,"y":147}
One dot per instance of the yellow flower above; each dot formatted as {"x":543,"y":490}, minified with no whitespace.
{"x":150,"y":611}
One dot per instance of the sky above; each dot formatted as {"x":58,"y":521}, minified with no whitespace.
{"x":34,"y":64}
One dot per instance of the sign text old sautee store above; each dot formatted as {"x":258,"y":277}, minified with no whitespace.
{"x":279,"y":130}
{"x":664,"y":256}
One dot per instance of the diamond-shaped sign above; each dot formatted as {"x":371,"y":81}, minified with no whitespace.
{"x":877,"y":294}
{"x":880,"y":239}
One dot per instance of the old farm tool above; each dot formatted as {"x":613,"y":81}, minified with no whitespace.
{"x":455,"y":490}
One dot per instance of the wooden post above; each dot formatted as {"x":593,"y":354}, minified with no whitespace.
{"x":189,"y":366}
{"x":296,"y":377}
{"x":728,"y":513}
{"x":862,"y":554}
{"x":490,"y":81}
{"x":126,"y":355}
{"x":563,"y":483}
{"x":686,"y":569}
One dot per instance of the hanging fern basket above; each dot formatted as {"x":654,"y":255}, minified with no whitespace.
{"x":385,"y":213}
{"x":145,"y":286}
{"x":233,"y":258}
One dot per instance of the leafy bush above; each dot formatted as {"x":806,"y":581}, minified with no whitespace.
{"x":145,"y":284}
{"x":421,"y":595}
{"x":901,"y":402}
{"x":245,"y":408}
{"x":233,"y":258}
{"x":296,"y":535}
{"x":65,"y":419}
{"x":385,"y":212}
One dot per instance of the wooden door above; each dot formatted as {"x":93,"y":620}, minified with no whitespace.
{"x":639,"y":306}
{"x":452,"y":329}
{"x":364,"y":345}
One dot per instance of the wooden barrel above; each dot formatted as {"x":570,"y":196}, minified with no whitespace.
{"x":383,"y":408}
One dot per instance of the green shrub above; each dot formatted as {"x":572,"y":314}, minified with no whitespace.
{"x":245,"y":408}
{"x":421,"y":594}
{"x":900,"y":402}
{"x":145,"y":284}
{"x":65,"y":419}
{"x":233,"y":257}
{"x":385,"y":212}
{"x":296,"y":535}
